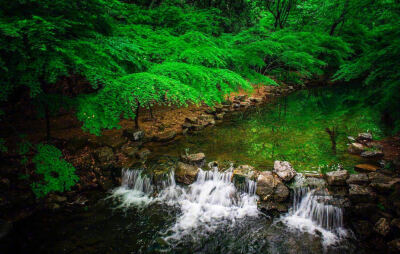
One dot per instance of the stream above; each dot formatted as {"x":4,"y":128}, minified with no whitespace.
{"x":213,"y":214}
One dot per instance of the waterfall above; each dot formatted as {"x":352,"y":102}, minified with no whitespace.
{"x":313,"y":212}
{"x":210,"y":201}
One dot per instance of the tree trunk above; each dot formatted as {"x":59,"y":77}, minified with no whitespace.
{"x":333,"y":135}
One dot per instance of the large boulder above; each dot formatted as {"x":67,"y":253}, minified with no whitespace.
{"x":356,"y":148}
{"x":271,"y":188}
{"x":337,"y":177}
{"x":361,"y":194}
{"x":186,"y":173}
{"x":284,"y":170}
{"x":196,"y":159}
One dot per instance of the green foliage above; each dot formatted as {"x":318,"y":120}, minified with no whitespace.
{"x":56,"y":173}
{"x":190,"y":51}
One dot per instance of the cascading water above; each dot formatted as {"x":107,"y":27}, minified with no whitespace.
{"x":210,"y":201}
{"x":312,"y":212}
{"x":135,"y":189}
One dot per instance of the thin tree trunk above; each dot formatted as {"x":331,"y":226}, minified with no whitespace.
{"x":332,"y":134}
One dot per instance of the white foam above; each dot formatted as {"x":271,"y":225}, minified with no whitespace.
{"x":311,"y":215}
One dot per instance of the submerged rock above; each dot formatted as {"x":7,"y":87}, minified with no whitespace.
{"x":284,"y":170}
{"x":196,"y":159}
{"x":271,"y":188}
{"x":337,"y":177}
{"x":186,"y":173}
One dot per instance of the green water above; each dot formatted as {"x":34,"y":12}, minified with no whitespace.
{"x":292,"y":129}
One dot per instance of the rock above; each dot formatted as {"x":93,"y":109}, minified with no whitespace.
{"x":272,"y":207}
{"x":284,"y":170}
{"x":5,"y":228}
{"x":192,"y":120}
{"x":364,"y":210}
{"x":133,"y":134}
{"x":186,"y":173}
{"x":314,"y":182}
{"x":351,"y":139}
{"x":220,"y":116}
{"x":255,"y":100}
{"x":337,"y":177}
{"x":365,"y":168}
{"x":382,"y":227}
{"x":186,"y":125}
{"x":377,"y":154}
{"x":382,"y":183}
{"x":360,"y":179}
{"x":104,"y":154}
{"x":240,"y":97}
{"x":236,"y":105}
{"x":356,"y":148}
{"x":242,"y":172}
{"x":165,"y":137}
{"x":206,"y":118}
{"x":363,"y":229}
{"x":361,"y":194}
{"x":143,"y":153}
{"x":364,"y":137}
{"x":197,"y":127}
{"x":197,"y":159}
{"x":54,"y":206}
{"x":394,"y":245}
{"x":129,"y":150}
{"x":244,"y":104}
{"x":271,"y":188}
{"x":385,"y":188}
{"x":395,"y":223}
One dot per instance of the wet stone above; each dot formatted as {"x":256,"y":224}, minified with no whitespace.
{"x":197,"y":159}
{"x":365,"y":168}
{"x":337,"y":177}
{"x":186,"y":173}
{"x":361,"y":194}
{"x":284,"y":170}
{"x":360,"y":179}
